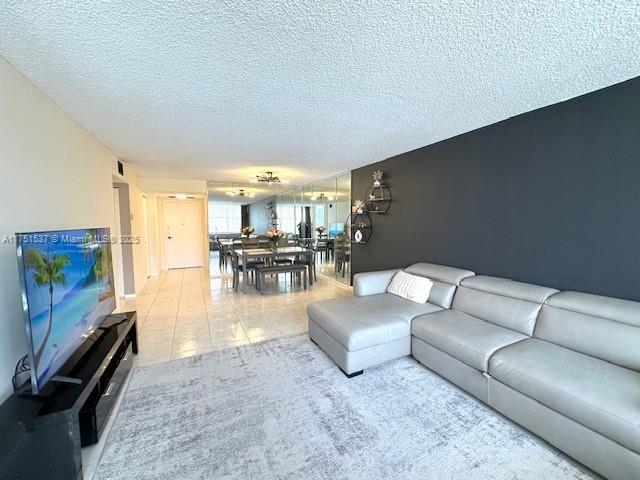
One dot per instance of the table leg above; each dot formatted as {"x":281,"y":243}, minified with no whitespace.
{"x":310,"y":269}
{"x":245,"y":274}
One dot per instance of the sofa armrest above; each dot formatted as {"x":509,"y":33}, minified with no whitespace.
{"x":371,"y":283}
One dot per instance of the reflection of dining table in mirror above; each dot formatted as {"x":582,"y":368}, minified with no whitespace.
{"x":328,"y":247}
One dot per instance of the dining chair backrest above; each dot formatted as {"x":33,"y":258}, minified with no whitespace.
{"x":283,"y":242}
{"x":249,"y":243}
{"x":343,"y":245}
{"x":232,"y":254}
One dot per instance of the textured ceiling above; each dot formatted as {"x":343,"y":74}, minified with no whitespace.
{"x":225,"y":90}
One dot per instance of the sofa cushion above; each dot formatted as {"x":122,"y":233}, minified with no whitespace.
{"x":361,"y":322}
{"x":445,"y":280}
{"x":597,"y":394}
{"x":501,"y":301}
{"x":469,"y":339}
{"x":411,"y":287}
{"x":602,"y":327}
{"x":372,"y":283}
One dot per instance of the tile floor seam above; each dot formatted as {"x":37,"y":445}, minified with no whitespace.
{"x":175,"y":322}
{"x":154,"y":299}
{"x":206,"y":312}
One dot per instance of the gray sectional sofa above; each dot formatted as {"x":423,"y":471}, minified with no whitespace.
{"x":374,"y":326}
{"x":565,"y":365}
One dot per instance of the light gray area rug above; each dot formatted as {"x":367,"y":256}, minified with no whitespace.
{"x":281,"y":409}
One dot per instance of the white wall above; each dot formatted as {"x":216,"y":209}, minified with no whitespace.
{"x":140,"y":250}
{"x":172,"y":185}
{"x":55,"y":175}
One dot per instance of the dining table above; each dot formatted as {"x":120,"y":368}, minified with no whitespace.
{"x":244,"y":255}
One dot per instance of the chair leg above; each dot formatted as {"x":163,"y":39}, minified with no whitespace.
{"x":304,"y":279}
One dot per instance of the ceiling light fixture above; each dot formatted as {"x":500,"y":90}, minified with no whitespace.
{"x":269,"y":178}
{"x":321,"y":197}
{"x":241,"y":193}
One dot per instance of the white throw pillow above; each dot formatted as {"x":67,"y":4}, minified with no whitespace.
{"x":411,"y":287}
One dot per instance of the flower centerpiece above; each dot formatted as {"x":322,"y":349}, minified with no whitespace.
{"x":248,"y":230}
{"x":320,"y":230}
{"x":275,"y":235}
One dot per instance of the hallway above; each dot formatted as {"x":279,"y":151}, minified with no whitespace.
{"x":185,"y":312}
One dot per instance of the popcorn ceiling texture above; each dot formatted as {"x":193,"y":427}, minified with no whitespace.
{"x":199,"y":88}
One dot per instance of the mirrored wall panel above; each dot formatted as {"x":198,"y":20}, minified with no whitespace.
{"x":316,"y":213}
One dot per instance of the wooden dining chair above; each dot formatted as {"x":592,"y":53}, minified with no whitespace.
{"x":342,"y":255}
{"x":305,"y":261}
{"x":322,"y":247}
{"x":237,"y":269}
{"x":283,"y":242}
{"x":223,"y":255}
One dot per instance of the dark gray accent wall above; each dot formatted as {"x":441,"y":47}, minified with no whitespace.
{"x":257,"y":215}
{"x":550,"y":197}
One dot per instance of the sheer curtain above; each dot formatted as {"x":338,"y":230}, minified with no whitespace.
{"x":224,"y":217}
{"x":286,"y":217}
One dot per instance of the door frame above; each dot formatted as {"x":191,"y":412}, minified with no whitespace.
{"x":116,"y":250}
{"x":145,"y":232}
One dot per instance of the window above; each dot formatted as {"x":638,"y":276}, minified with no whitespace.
{"x":224,"y":217}
{"x":286,"y":217}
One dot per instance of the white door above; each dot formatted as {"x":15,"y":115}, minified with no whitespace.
{"x":183,"y":233}
{"x":116,"y":248}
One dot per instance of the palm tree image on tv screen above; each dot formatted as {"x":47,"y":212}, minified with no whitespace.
{"x":68,"y":282}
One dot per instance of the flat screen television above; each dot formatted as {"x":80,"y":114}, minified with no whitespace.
{"x":67,"y":292}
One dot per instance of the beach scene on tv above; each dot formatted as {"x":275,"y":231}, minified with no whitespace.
{"x":68,"y":279}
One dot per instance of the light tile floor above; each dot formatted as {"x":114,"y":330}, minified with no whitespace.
{"x":191,"y":311}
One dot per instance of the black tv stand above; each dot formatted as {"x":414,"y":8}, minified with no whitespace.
{"x":41,"y":435}
{"x":63,"y":379}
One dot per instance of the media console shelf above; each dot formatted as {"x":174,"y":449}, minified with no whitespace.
{"x":41,"y":436}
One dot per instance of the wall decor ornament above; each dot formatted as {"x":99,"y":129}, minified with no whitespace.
{"x":377,"y":178}
{"x":378,"y":195}
{"x":359,"y":227}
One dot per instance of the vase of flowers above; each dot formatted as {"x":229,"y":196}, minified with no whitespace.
{"x":358,"y":206}
{"x":246,"y":231}
{"x":320,"y":230}
{"x":275,"y":235}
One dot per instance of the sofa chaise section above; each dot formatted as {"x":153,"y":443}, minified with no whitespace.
{"x":577,"y":382}
{"x":487,"y":314}
{"x":374,"y":326}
